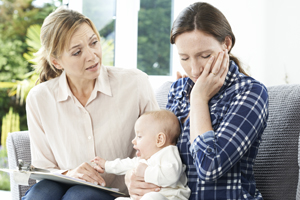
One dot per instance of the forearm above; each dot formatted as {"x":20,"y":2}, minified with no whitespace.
{"x":200,"y":121}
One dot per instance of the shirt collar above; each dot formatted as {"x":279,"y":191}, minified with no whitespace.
{"x":232,"y":75}
{"x":187,"y":85}
{"x":102,"y":85}
{"x":64,"y":91}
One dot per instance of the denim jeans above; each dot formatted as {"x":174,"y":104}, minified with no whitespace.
{"x":51,"y":190}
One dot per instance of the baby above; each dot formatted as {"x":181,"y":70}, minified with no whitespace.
{"x":158,"y":160}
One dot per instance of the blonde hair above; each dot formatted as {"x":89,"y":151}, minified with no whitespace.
{"x":169,"y":124}
{"x":56,"y":32}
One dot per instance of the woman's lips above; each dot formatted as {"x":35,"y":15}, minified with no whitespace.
{"x":92,"y":67}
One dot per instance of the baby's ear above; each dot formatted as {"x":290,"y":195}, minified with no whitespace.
{"x":161,"y":139}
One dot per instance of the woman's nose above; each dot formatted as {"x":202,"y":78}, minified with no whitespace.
{"x":195,"y":69}
{"x":91,"y":54}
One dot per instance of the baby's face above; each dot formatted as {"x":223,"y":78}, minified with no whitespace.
{"x":145,"y":137}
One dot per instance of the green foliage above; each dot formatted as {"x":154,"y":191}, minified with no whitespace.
{"x":15,"y":18}
{"x":153,"y":37}
{"x":12,"y":63}
{"x":33,"y":38}
{"x":4,"y":177}
{"x":10,"y":123}
{"x":21,"y":88}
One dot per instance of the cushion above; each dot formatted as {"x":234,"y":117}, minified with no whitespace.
{"x":276,"y":168}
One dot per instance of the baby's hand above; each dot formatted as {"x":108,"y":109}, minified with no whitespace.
{"x":140,"y":169}
{"x":99,"y":164}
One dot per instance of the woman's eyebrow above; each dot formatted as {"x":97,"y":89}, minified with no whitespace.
{"x":198,"y":53}
{"x":92,"y":36}
{"x":78,"y":45}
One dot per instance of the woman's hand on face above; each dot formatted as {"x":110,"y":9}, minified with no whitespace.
{"x":212,"y":78}
{"x":86,"y":172}
{"x":137,"y":186}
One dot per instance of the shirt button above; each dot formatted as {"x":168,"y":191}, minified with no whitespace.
{"x":208,"y":150}
{"x":89,"y":137}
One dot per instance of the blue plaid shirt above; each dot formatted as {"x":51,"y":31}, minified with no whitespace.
{"x":220,"y":162}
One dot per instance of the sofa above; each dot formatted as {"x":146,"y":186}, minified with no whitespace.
{"x":277,"y":163}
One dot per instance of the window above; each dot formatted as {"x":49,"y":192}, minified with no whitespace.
{"x":154,"y":24}
{"x":103,"y":15}
{"x":136,"y":33}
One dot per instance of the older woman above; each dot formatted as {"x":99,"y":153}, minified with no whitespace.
{"x":81,"y":109}
{"x":223,"y":112}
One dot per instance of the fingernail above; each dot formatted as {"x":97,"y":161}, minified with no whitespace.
{"x":96,"y":183}
{"x":157,"y":189}
{"x":102,"y":184}
{"x":211,"y":58}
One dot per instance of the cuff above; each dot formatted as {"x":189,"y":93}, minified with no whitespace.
{"x":205,"y":143}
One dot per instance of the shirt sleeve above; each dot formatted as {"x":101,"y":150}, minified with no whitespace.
{"x":120,"y":166}
{"x":41,"y":153}
{"x":167,"y":171}
{"x":147,"y":98}
{"x":215,"y":152}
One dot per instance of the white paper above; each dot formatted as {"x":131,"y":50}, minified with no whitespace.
{"x":21,"y":178}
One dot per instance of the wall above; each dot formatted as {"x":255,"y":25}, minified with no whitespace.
{"x":267,"y":37}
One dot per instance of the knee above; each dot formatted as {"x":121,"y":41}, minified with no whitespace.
{"x":45,"y":189}
{"x":81,"y":192}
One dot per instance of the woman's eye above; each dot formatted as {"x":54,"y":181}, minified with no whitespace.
{"x":184,"y":59}
{"x":206,"y":56}
{"x":95,"y":42}
{"x":77,"y":53}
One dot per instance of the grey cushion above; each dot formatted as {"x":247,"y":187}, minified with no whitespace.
{"x":18,"y":147}
{"x":161,"y":94}
{"x":276,"y":169}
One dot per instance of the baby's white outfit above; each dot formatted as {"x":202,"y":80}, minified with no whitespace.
{"x":164,"y":169}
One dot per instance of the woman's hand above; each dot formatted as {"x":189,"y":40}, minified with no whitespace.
{"x":137,"y":186}
{"x":86,"y":172}
{"x":212,"y":78}
{"x":206,"y":86}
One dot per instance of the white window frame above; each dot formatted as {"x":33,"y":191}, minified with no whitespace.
{"x":126,"y":35}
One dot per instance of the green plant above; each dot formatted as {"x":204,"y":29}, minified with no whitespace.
{"x":21,"y":88}
{"x":4,"y":177}
{"x":10,"y":123}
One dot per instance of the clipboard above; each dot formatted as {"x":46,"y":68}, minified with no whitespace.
{"x":22,"y":175}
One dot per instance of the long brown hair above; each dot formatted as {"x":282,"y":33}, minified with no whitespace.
{"x":206,"y":18}
{"x":56,"y":33}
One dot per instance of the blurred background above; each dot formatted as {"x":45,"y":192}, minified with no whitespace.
{"x":135,"y":34}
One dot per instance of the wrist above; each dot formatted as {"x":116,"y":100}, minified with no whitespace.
{"x":103,"y":165}
{"x":197,"y":98}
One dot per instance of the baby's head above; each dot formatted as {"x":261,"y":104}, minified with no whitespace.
{"x":155,"y":130}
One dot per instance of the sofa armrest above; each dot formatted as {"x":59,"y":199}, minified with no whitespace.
{"x":18,"y":147}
